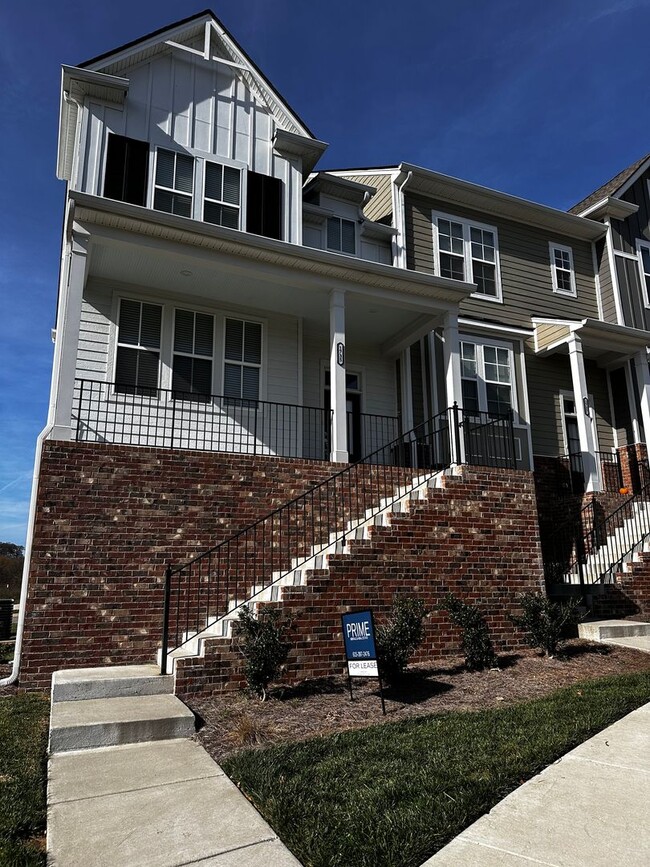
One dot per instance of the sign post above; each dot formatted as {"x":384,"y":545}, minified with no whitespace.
{"x":360,"y":650}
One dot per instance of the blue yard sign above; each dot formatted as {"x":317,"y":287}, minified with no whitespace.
{"x":359,"y":638}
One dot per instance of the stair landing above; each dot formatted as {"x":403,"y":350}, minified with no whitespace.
{"x":624,"y":633}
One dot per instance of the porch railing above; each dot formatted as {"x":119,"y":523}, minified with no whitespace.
{"x":203,"y":590}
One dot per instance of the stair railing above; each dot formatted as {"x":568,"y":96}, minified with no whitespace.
{"x":599,"y":545}
{"x":201,"y":591}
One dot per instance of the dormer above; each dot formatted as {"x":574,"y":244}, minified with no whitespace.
{"x":182,"y":121}
{"x":333,"y":219}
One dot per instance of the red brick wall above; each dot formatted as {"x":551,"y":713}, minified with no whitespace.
{"x":629,"y":597}
{"x":108,"y":520}
{"x":478,"y":538}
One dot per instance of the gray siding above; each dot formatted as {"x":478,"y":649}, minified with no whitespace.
{"x":629,"y":285}
{"x":606,"y":285}
{"x":638,"y":225}
{"x":525,"y":267}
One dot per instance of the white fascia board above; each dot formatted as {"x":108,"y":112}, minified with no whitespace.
{"x":645,"y":165}
{"x":492,"y":202}
{"x":308,"y":148}
{"x":610,"y":207}
{"x":491,"y":326}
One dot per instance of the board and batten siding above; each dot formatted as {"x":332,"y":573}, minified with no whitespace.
{"x":547,"y":377}
{"x":606,"y":286}
{"x":625,"y":232}
{"x":180,"y":102}
{"x":524,"y":261}
{"x":381,"y":204}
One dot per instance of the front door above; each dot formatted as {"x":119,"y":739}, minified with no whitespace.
{"x":353,"y":413}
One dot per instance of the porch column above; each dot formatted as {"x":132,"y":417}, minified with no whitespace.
{"x":583,"y":415}
{"x":453,"y":385}
{"x":67,"y":338}
{"x":643,"y":380}
{"x":339,"y":439}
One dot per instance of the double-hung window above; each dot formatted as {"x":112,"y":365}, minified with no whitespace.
{"x":222,"y":195}
{"x":643,"y":252}
{"x":137,"y":360}
{"x":562,"y":270}
{"x":341,"y":235}
{"x":468,"y":251}
{"x":174,"y":183}
{"x":242,"y":359}
{"x":193,"y":352}
{"x":486,"y":377}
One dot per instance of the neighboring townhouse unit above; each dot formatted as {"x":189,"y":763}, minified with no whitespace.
{"x":274,"y":384}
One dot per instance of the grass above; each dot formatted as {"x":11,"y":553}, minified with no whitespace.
{"x":23,"y":742}
{"x":392,"y":795}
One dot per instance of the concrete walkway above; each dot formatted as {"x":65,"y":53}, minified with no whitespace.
{"x":158,"y":804}
{"x":589,"y":809}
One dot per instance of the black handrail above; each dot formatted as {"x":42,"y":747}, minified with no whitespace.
{"x":205,"y":588}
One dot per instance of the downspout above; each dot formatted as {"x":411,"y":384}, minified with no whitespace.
{"x":400,"y":220}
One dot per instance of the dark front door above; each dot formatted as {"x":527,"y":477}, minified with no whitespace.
{"x":353,"y":420}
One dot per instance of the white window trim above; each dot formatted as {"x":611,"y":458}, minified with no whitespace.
{"x":640,"y":243}
{"x":467,"y":252}
{"x":552,"y":247}
{"x":261,"y":367}
{"x":482,"y":391}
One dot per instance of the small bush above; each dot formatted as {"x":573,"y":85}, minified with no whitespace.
{"x":476,"y":643}
{"x":544,"y":621}
{"x":400,"y":636}
{"x":261,"y":641}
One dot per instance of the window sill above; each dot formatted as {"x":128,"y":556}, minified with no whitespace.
{"x":493,"y":298}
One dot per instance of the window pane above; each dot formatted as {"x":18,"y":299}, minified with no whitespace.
{"x":204,"y":333}
{"x":470,"y":395}
{"x":645,"y":258}
{"x":232,"y":380}
{"x":212,"y":213}
{"x":251,"y":383}
{"x":184,"y":173}
{"x":452,"y":266}
{"x":564,"y":281}
{"x":231,"y":185}
{"x":348,"y":244}
{"x":485,"y":278}
{"x":163,"y":201}
{"x":151,"y":321}
{"x":213,"y":178}
{"x":184,"y":331}
{"x":234,"y":339}
{"x":182,"y":206}
{"x":165,"y":168}
{"x":229,"y":217}
{"x":126,"y":366}
{"x":333,"y":233}
{"x":498,"y":398}
{"x":202,"y":376}
{"x":182,"y":375}
{"x":129,"y":325}
{"x":253,"y":343}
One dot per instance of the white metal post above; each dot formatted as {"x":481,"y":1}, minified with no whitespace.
{"x":584,"y":415}
{"x":451,"y":355}
{"x":643,"y":380}
{"x":339,"y":443}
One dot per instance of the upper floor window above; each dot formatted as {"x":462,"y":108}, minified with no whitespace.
{"x":174,"y":184}
{"x":242,"y":359}
{"x":468,"y":251}
{"x":222,"y":198}
{"x":125,"y":178}
{"x":341,"y":235}
{"x":137,"y":360}
{"x":264,"y":205}
{"x":193,"y":351}
{"x":643,"y":251}
{"x":486,"y":377}
{"x":564,"y":278}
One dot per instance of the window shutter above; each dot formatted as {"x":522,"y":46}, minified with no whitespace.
{"x":264,"y":205}
{"x":125,"y":178}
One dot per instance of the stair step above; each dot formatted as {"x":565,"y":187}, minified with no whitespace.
{"x":601,"y":630}
{"x":114,"y":681}
{"x":107,"y":722}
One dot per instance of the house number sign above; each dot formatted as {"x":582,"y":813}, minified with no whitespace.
{"x":340,"y":354}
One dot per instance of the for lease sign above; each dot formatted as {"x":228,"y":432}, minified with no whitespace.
{"x":359,"y":638}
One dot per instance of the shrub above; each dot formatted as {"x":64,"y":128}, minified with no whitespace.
{"x":476,"y":643}
{"x":261,"y":641}
{"x":543,"y":621}
{"x":399,"y":637}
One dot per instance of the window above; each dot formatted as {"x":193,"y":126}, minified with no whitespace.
{"x":193,"y":350}
{"x":222,"y":198}
{"x":341,"y":235}
{"x":125,"y":178}
{"x":138,"y":347}
{"x":264,"y":205}
{"x":486,"y":377}
{"x":564,"y":279}
{"x":242,"y":359}
{"x":643,"y":252}
{"x":174,"y":183}
{"x":468,"y":251}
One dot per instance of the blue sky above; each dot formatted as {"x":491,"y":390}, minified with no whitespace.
{"x":546,"y":100}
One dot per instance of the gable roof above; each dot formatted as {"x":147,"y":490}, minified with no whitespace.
{"x":611,"y":187}
{"x":104,"y":60}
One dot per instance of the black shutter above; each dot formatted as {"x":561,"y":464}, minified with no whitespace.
{"x":126,"y":169}
{"x":264,"y":206}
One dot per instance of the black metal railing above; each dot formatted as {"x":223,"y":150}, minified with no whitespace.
{"x":593,"y":547}
{"x":610,"y":470}
{"x":204,"y":589}
{"x":488,"y":439}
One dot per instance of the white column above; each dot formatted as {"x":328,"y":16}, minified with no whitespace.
{"x":339,"y":443}
{"x":67,"y":338}
{"x":643,"y":380}
{"x":453,"y":386}
{"x":584,"y":415}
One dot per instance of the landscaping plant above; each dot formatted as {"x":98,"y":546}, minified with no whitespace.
{"x":544,"y":621}
{"x":400,"y":636}
{"x":476,"y":643}
{"x":261,"y":641}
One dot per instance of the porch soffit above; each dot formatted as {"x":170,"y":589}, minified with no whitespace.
{"x":314,"y":268}
{"x":602,"y":342}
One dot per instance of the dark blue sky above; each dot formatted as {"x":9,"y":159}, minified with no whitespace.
{"x":546,"y":100}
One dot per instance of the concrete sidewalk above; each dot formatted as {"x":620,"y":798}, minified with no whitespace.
{"x":589,"y":809}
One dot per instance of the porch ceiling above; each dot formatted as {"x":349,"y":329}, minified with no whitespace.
{"x":603,"y":342}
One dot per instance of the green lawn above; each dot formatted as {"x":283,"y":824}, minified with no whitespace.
{"x":392,"y":795}
{"x":23,"y":742}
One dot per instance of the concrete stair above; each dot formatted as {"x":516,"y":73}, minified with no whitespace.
{"x":110,"y":706}
{"x":356,"y":530}
{"x":623,"y":633}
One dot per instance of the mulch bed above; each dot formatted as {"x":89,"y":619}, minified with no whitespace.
{"x":235,"y":721}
